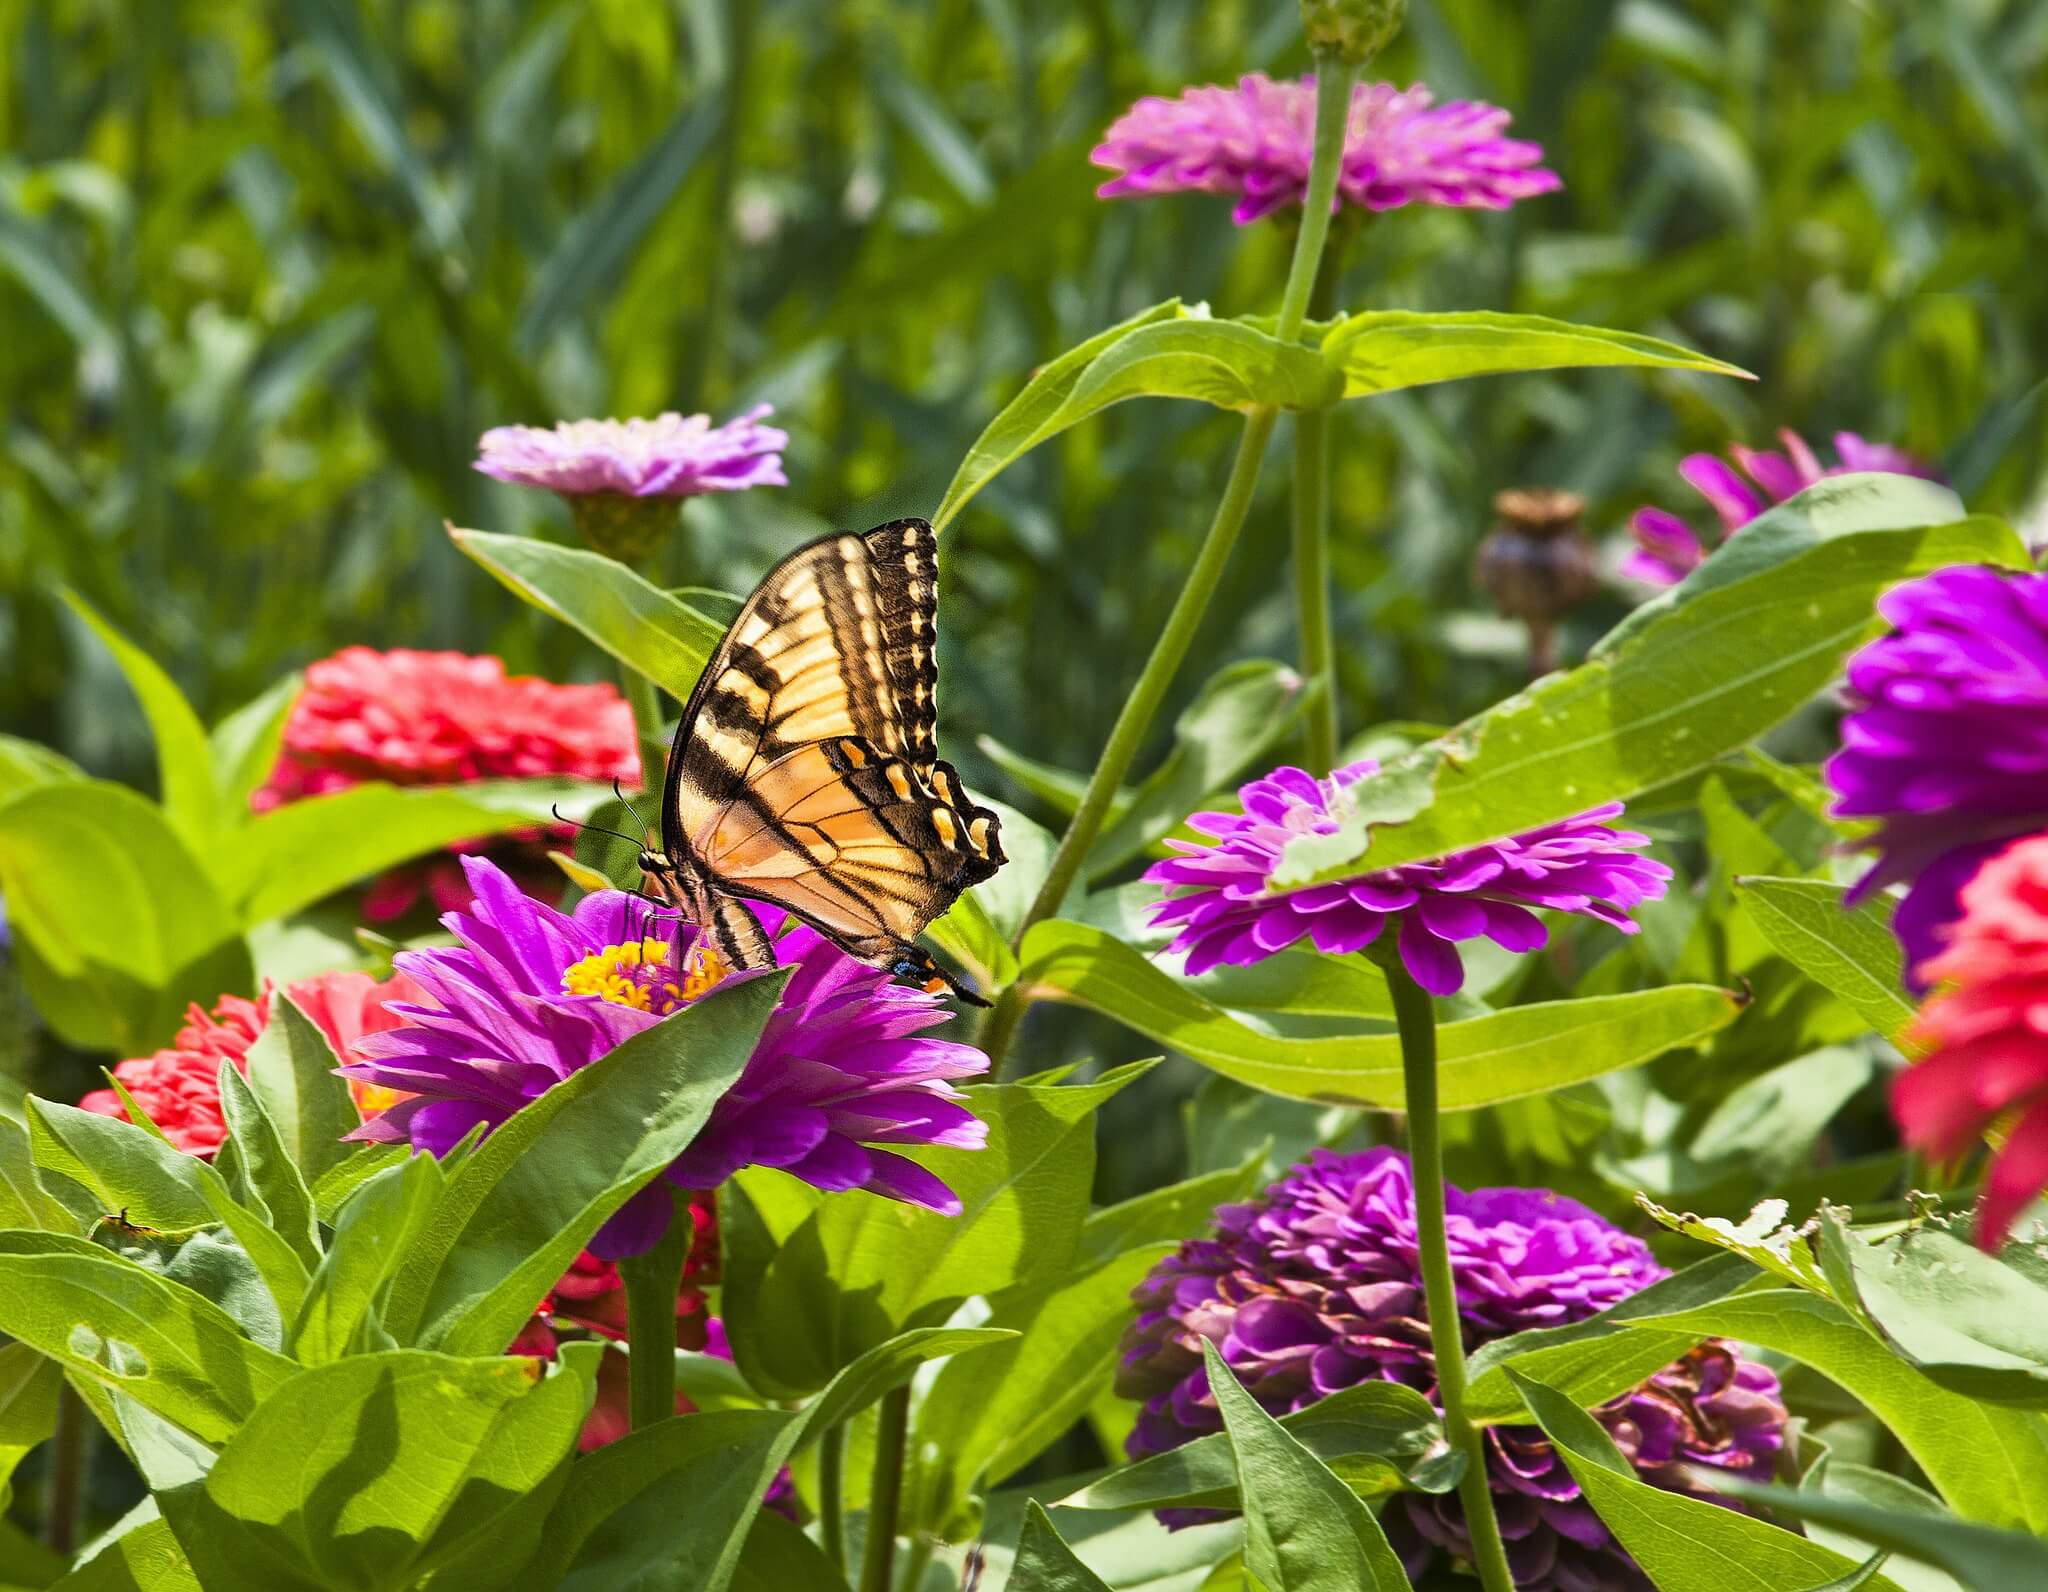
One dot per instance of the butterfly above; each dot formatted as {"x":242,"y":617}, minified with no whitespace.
{"x":805,"y":772}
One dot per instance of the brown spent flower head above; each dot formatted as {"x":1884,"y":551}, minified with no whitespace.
{"x":1537,"y":564}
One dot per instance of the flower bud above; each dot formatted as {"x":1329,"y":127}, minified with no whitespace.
{"x":1353,"y":31}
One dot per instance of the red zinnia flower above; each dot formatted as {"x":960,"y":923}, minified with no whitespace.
{"x":1986,"y":1035}
{"x":445,"y":718}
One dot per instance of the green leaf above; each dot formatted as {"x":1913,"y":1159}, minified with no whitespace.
{"x":1977,"y":1556}
{"x":1849,"y":952}
{"x":244,"y":746}
{"x":1240,"y":713}
{"x":114,"y":1323}
{"x":640,"y":625}
{"x":1046,"y":1564}
{"x":778,"y":1557}
{"x":1761,"y":1238}
{"x":1733,"y":650}
{"x":26,"y":763}
{"x":888,"y":1366}
{"x":291,"y":1072}
{"x":28,"y":1405}
{"x":813,"y":1282}
{"x":122,"y":927}
{"x":969,"y":935}
{"x":294,"y":855}
{"x":23,"y":1200}
{"x":1835,"y":1478}
{"x":268,"y":1166}
{"x":373,"y":1230}
{"x":1380,"y":1437}
{"x":143,"y":1558}
{"x":1684,"y":1544}
{"x":1989,"y":1463}
{"x":518,"y":1210}
{"x":367,"y":1472}
{"x":1304,"y":1530}
{"x":1386,"y":350}
{"x":667,"y":1506}
{"x":332,"y":1189}
{"x":184,"y":760}
{"x":1483,"y":1060}
{"x":1591,"y":1361}
{"x":1166,"y":1215}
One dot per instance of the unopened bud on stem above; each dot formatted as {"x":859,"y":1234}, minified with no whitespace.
{"x":1352,"y":31}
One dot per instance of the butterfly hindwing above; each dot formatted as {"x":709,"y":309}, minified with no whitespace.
{"x":805,"y":772}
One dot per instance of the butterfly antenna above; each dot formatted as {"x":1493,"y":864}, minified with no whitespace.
{"x":578,"y":823}
{"x":627,"y":802}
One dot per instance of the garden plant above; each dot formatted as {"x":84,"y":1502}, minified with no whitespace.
{"x":918,"y":797}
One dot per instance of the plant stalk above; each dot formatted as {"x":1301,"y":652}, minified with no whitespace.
{"x":644,"y":699}
{"x":70,"y":1468}
{"x":1416,"y":1019}
{"x":1333,"y":101}
{"x":885,"y":1499}
{"x":831,"y":1490}
{"x":1311,"y":505}
{"x":652,"y":1282}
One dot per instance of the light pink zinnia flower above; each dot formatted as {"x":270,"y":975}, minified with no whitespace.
{"x":1254,"y":142}
{"x":1667,"y":549}
{"x":672,"y":455}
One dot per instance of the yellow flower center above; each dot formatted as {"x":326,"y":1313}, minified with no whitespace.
{"x":638,"y":975}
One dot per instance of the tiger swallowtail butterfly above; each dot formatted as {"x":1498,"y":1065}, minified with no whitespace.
{"x":805,"y":772}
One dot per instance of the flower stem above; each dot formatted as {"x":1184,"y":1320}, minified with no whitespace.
{"x":885,"y":1499}
{"x":70,"y":1466}
{"x":1416,"y":1018}
{"x":642,"y":697}
{"x":652,"y":1281}
{"x":831,"y":1490}
{"x":1333,"y":102}
{"x":1312,"y":539}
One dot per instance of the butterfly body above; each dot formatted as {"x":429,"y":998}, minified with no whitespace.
{"x":805,"y":771}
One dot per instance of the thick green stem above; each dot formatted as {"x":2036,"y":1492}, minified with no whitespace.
{"x":1416,"y":1018}
{"x":70,"y":1466}
{"x":652,"y":1282}
{"x":885,"y":1497}
{"x":1334,"y":81}
{"x":1312,"y":539}
{"x":831,"y":1494}
{"x":645,"y":701}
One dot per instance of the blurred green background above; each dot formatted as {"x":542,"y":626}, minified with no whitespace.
{"x":267,"y":269}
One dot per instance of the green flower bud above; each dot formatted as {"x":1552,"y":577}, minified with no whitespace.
{"x":1353,"y":31}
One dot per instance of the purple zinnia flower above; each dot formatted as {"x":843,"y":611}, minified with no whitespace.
{"x":1947,"y":743}
{"x":1225,"y":914}
{"x":530,"y":995}
{"x":1667,"y":549}
{"x":671,"y":455}
{"x":1315,"y":1286}
{"x":1254,"y":142}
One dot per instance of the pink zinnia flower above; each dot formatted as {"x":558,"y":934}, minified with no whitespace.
{"x":1986,"y":1036}
{"x":447,"y":718}
{"x":672,"y":455}
{"x":1254,"y":142}
{"x":1667,"y":549}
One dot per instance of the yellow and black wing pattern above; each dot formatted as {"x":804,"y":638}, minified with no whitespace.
{"x":805,"y":771}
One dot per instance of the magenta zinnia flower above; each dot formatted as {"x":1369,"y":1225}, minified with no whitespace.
{"x":1254,"y":142}
{"x":1315,"y":1286}
{"x":530,"y":995}
{"x":1947,"y":744}
{"x":1224,"y":913}
{"x":671,"y":455}
{"x":1667,"y":549}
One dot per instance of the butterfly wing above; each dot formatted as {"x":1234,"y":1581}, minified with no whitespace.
{"x":805,"y":770}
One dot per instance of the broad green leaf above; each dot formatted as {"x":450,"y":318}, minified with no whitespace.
{"x":889,"y":1365}
{"x":1046,"y":1564}
{"x":25,"y":763}
{"x":667,"y":1506}
{"x":1380,"y":1437}
{"x":261,"y":1154}
{"x":294,"y":855}
{"x":122,"y":926}
{"x":518,"y":1210}
{"x":1591,"y":1361}
{"x":1835,"y":1478}
{"x":1685,"y":1544}
{"x":969,"y":935}
{"x":988,"y":1415}
{"x":1386,"y":350}
{"x":290,"y":1069}
{"x":638,"y":624}
{"x":373,"y":1231}
{"x":1058,"y":788}
{"x":1850,"y":952}
{"x":23,"y":1200}
{"x":1483,"y":1060}
{"x":28,"y":1405}
{"x":244,"y":746}
{"x":1697,"y":673}
{"x":1761,"y":1238}
{"x":1988,"y":1462}
{"x":367,"y":1472}
{"x":778,"y":1557}
{"x":1030,"y":417}
{"x":109,"y":1320}
{"x":1241,"y":712}
{"x":331,"y":1190}
{"x":1304,"y":1530}
{"x":1166,"y":1215}
{"x":184,"y":761}
{"x":1977,"y":1556}
{"x":143,"y":1558}
{"x":813,"y":1282}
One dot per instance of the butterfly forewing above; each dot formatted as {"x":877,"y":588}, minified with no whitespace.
{"x":805,"y":769}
